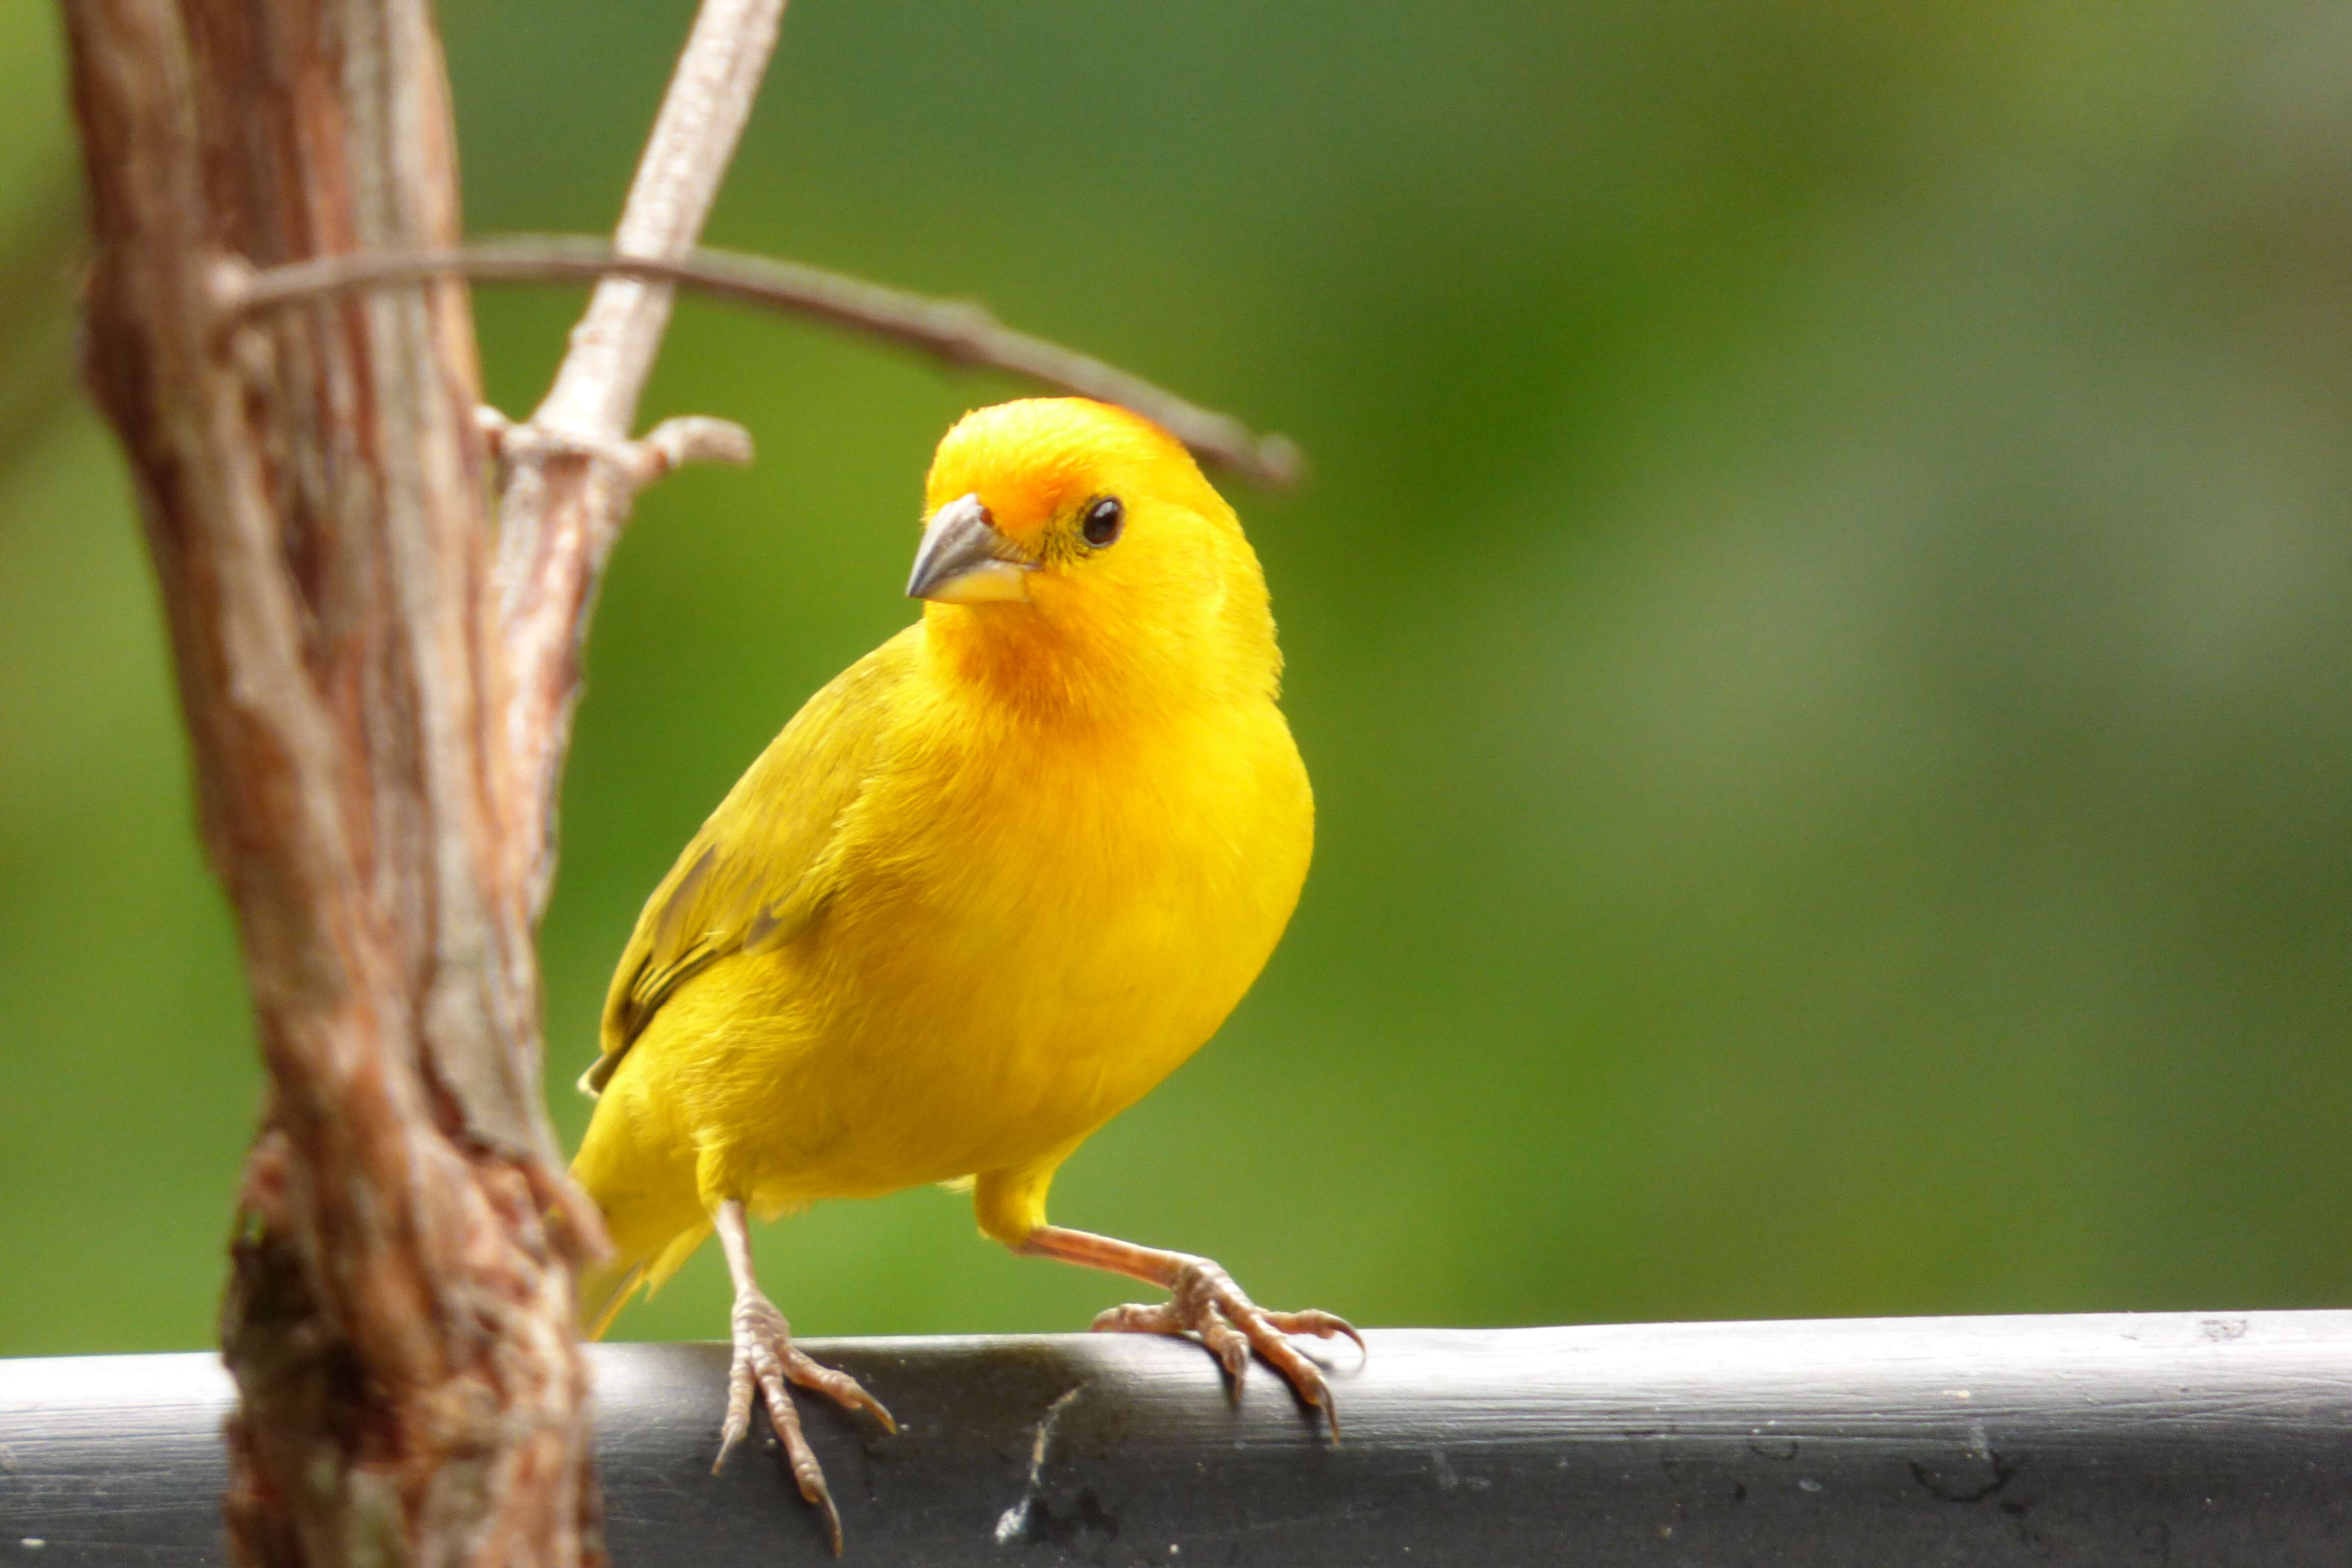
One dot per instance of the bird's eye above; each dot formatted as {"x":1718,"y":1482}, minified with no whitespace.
{"x":1103,"y":521}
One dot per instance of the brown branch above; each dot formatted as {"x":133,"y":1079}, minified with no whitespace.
{"x":959,"y":333}
{"x":376,"y":711}
{"x":571,"y":480}
{"x":400,"y":1320}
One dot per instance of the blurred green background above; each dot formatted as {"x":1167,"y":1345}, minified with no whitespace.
{"x":1820,"y":632}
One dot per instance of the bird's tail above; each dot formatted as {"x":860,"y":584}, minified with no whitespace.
{"x":605,"y":1288}
{"x":654,"y":1215}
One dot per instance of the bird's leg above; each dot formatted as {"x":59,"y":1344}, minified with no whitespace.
{"x":1204,"y":1302}
{"x":767,"y":1361}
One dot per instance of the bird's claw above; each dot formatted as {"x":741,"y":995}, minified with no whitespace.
{"x":767,"y":1362}
{"x":1206,"y":1302}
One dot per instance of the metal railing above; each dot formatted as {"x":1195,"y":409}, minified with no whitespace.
{"x":2176,"y":1439}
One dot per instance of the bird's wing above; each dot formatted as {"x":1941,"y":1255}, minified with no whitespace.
{"x":754,"y":875}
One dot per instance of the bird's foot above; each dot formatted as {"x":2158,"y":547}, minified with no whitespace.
{"x":767,"y":1362}
{"x":1207,"y":1303}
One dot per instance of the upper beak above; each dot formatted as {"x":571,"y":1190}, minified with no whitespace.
{"x":964,"y":561}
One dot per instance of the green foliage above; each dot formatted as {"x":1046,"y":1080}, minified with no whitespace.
{"x":1820,"y":631}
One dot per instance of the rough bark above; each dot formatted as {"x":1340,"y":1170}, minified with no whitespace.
{"x":313,"y":489}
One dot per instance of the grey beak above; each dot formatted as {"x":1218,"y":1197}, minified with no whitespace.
{"x":964,"y":561}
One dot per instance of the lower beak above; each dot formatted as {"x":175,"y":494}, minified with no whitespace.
{"x":964,"y":561}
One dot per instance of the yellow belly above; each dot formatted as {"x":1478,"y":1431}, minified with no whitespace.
{"x":1045,"y":944}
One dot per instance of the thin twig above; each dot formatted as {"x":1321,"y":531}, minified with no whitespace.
{"x":954,"y":331}
{"x":558,"y":513}
{"x":703,"y":113}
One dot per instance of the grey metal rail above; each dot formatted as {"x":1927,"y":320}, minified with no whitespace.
{"x":2174,"y":1439}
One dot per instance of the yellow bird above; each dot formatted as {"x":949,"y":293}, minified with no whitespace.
{"x":989,"y":887}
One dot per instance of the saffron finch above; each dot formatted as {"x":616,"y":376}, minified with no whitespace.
{"x":989,"y":887}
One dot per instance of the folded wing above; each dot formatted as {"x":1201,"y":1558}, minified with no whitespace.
{"x":758,"y":871}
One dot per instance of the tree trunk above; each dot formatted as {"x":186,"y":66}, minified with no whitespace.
{"x":314,"y":487}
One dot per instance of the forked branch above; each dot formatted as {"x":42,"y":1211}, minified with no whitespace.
{"x":571,"y":474}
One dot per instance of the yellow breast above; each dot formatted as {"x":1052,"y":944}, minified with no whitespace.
{"x":1071,"y":919}
{"x":1028,"y":930}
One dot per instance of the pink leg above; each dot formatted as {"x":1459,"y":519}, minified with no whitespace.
{"x":1206,"y":1302}
{"x":767,"y":1360}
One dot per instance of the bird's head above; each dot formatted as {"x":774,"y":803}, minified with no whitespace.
{"x":1073,"y":552}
